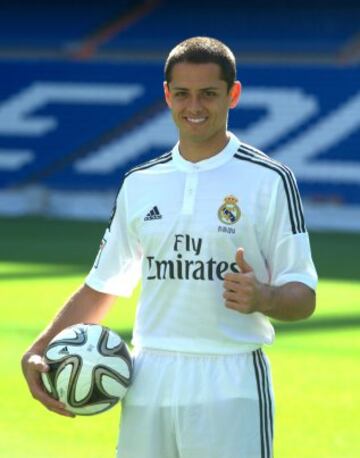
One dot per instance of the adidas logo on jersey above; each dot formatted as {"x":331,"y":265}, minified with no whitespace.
{"x":153,"y":214}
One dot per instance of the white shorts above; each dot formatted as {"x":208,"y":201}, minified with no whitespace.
{"x":183,"y":405}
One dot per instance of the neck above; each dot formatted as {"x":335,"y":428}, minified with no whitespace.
{"x":194,"y":151}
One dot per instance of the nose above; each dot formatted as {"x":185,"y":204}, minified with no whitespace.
{"x":194,"y":105}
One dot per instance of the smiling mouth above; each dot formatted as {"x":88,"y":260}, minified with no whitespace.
{"x":195,"y":120}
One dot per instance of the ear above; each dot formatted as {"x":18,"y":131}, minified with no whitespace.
{"x":167,"y":94}
{"x":235,"y":93}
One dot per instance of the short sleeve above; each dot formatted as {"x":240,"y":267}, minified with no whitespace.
{"x":286,"y":243}
{"x":117,"y":266}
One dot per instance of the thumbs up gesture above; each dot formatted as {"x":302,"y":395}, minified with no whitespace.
{"x":240,"y":261}
{"x":242,"y":291}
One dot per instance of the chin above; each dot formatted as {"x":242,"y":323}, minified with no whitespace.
{"x":197,"y":138}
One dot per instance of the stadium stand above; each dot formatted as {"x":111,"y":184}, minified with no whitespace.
{"x":81,"y":97}
{"x":55,"y":25}
{"x":150,"y":28}
{"x":260,"y":27}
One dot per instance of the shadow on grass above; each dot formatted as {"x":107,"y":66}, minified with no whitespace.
{"x":75,"y":243}
{"x":50,"y":241}
{"x":68,"y":272}
{"x":336,"y":255}
{"x":319,"y":324}
{"x":325,"y":324}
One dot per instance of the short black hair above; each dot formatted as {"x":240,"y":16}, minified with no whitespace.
{"x":203,"y":50}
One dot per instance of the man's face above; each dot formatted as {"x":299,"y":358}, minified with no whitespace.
{"x":200,"y":101}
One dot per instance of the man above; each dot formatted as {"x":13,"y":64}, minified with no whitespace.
{"x":216,"y":231}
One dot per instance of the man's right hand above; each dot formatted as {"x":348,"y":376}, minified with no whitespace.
{"x":86,"y":305}
{"x":33,"y":365}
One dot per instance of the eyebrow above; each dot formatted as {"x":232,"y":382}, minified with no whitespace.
{"x":210,"y":88}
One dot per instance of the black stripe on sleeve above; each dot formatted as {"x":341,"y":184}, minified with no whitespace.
{"x":158,"y":160}
{"x":298,"y":200}
{"x":290,"y":178}
{"x":113,"y":211}
{"x":146,"y":165}
{"x":296,"y":216}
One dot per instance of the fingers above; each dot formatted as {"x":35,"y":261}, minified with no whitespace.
{"x":235,"y":302}
{"x":232,"y":285}
{"x":232,"y":277}
{"x":33,"y":365}
{"x":240,"y":285}
{"x":233,"y":306}
{"x":36,"y":362}
{"x":241,"y":289}
{"x":230,"y":296}
{"x":51,"y":404}
{"x":238,"y":293}
{"x":238,"y":277}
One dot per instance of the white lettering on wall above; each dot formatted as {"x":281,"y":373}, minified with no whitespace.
{"x":286,"y":109}
{"x":157,"y":132}
{"x":300,"y":152}
{"x":14,"y":159}
{"x":17,"y":114}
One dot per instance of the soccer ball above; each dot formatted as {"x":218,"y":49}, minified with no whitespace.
{"x":90,"y":368}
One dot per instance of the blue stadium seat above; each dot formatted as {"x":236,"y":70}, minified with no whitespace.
{"x":278,"y":29}
{"x":150,"y":26}
{"x":54,"y":24}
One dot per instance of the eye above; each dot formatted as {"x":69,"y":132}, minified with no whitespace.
{"x":210,"y":94}
{"x":180,"y":94}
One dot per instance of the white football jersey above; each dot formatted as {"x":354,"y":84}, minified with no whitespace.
{"x":177,"y":226}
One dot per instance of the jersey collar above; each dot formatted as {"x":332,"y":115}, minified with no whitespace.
{"x":207,"y":164}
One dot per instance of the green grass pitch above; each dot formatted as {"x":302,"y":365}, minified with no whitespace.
{"x":315,"y":363}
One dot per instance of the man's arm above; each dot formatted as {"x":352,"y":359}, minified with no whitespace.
{"x":244,"y":293}
{"x":85,"y":306}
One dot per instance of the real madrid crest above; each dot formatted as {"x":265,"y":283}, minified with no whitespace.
{"x":229,"y":212}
